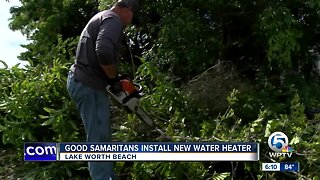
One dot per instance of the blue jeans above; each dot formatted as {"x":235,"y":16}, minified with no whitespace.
{"x":94,"y":109}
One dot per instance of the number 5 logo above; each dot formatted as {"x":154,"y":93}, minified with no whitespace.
{"x":277,"y":141}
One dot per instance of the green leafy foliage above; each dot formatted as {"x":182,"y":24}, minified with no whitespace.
{"x":46,"y":21}
{"x":211,"y":71}
{"x":282,"y":36}
{"x":35,"y":107}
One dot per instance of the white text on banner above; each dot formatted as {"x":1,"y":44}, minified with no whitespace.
{"x":157,"y":156}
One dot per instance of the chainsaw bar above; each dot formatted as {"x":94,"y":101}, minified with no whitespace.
{"x":141,"y":114}
{"x":144,"y":117}
{"x":147,"y":120}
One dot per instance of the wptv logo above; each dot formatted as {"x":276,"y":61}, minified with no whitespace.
{"x":278,"y":142}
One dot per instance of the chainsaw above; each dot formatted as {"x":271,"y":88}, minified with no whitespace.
{"x":129,"y":99}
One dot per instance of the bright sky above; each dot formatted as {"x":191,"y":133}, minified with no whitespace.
{"x":10,"y":40}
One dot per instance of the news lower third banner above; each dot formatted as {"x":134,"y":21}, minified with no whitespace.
{"x":142,"y":151}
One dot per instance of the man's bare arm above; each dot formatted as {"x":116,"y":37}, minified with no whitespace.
{"x":110,"y":70}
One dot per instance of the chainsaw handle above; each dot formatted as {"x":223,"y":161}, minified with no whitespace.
{"x":138,"y":87}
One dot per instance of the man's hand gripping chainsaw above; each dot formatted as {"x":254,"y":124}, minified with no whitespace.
{"x":129,"y":99}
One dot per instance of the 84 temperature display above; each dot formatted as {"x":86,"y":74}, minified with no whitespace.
{"x":289,"y":166}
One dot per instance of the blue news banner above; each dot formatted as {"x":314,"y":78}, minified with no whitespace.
{"x":142,"y":151}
